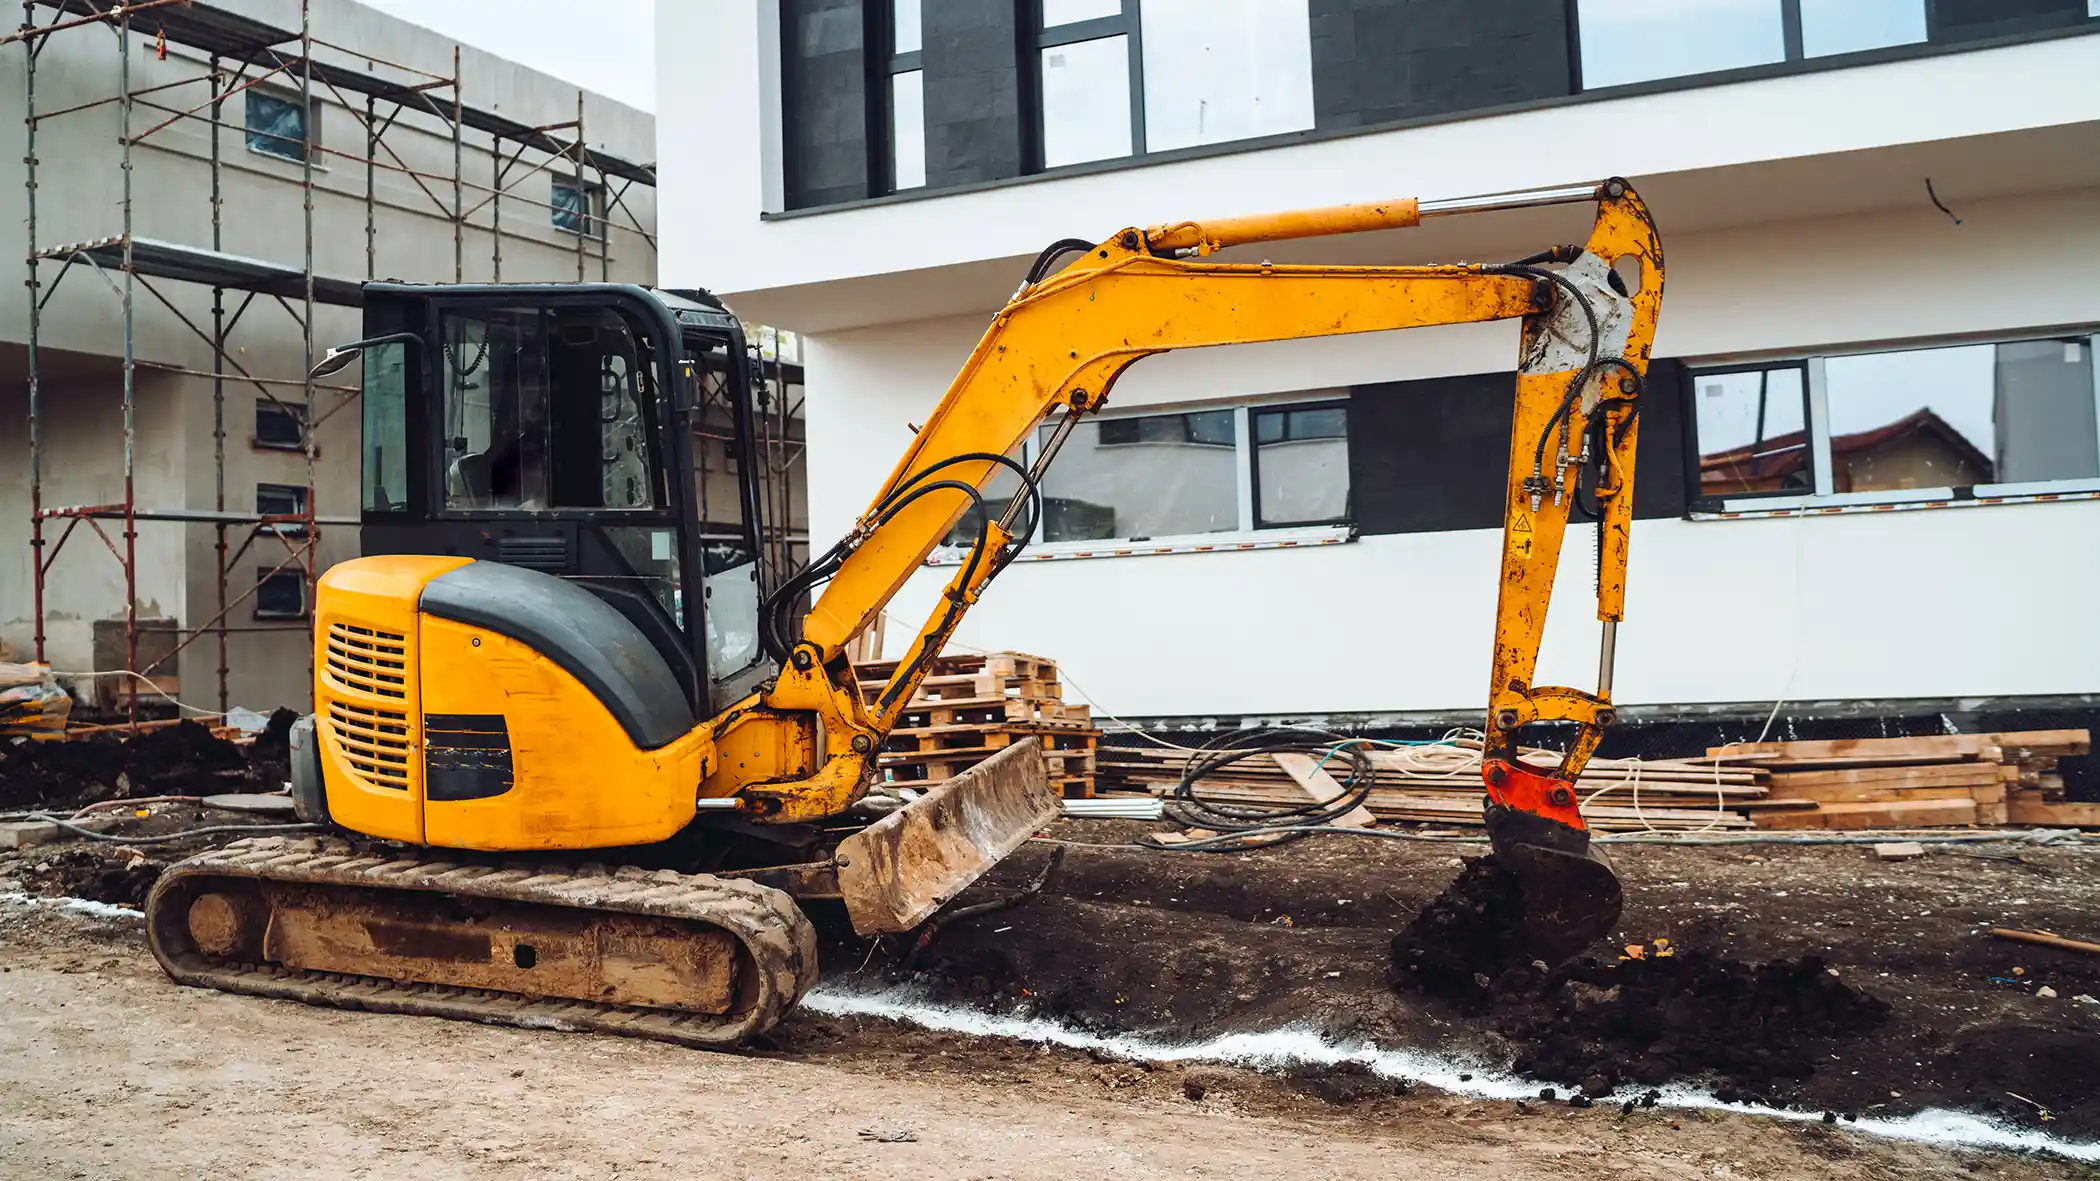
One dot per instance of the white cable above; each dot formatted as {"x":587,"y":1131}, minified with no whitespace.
{"x":157,"y":690}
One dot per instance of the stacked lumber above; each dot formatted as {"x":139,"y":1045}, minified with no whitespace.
{"x":970,"y":706}
{"x":1931,"y":781}
{"x":1440,"y":784}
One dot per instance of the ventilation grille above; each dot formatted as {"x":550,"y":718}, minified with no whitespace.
{"x":368,"y":660}
{"x":374,"y":742}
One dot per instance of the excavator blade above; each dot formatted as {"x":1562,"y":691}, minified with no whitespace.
{"x":896,"y":872}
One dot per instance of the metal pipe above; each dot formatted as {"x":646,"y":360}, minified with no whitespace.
{"x":1528,"y":199}
{"x":131,"y":533}
{"x":583,"y":194}
{"x":371,"y":187}
{"x":1607,"y":652}
{"x":218,"y":383}
{"x":459,"y":219}
{"x":36,"y":304}
{"x":306,"y":184}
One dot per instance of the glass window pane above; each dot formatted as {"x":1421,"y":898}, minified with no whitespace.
{"x":1301,"y":465}
{"x":908,"y":128}
{"x":385,"y":402}
{"x":1065,"y":12}
{"x":1163,"y":475}
{"x":276,"y":125}
{"x":1752,"y":437}
{"x":1640,"y":40}
{"x":1847,"y":26}
{"x":1918,"y":419}
{"x":2045,"y":410}
{"x":904,"y":25}
{"x":1086,"y":101}
{"x":729,"y":579}
{"x":1219,"y":70}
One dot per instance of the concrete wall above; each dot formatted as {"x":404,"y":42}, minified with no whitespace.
{"x":1882,"y":606}
{"x":78,"y":199}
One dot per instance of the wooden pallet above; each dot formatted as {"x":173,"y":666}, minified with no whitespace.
{"x":993,"y":711}
{"x":983,"y":740}
{"x":1071,"y":772}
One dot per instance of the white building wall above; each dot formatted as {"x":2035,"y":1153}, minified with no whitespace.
{"x":1795,"y":219}
{"x":1934,"y":603}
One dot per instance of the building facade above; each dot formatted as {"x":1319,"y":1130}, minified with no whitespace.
{"x":1870,"y":469}
{"x":226,"y":155}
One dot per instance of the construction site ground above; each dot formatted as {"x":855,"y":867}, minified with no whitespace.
{"x":107,"y":1069}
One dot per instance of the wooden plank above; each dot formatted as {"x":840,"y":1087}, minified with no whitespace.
{"x":1927,"y":775}
{"x":2026,"y":807}
{"x":1873,"y":793}
{"x":1935,"y":747}
{"x":1321,"y":786}
{"x":1893,"y":814}
{"x":2022,"y":744}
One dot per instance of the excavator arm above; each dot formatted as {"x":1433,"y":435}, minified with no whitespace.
{"x":1055,"y":352}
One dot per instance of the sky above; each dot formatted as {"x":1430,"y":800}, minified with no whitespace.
{"x":607,"y":46}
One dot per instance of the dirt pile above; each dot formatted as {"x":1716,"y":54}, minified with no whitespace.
{"x":1647,"y":1018}
{"x":121,"y":877}
{"x":183,"y":759}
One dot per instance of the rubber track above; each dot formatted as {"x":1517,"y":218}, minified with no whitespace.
{"x":774,"y":933}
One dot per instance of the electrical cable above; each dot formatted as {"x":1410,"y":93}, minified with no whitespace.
{"x":1191,"y":810}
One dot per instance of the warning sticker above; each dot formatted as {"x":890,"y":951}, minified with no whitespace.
{"x":1520,"y":535}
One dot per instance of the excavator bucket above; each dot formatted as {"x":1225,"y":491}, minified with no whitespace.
{"x":896,"y":872}
{"x":1571,"y":899}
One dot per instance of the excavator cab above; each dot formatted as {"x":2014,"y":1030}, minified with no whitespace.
{"x":552,"y":428}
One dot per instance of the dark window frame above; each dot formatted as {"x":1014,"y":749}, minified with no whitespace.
{"x":593,"y":229}
{"x":1129,"y":25}
{"x":1696,"y":497}
{"x":1254,"y":416}
{"x":1793,"y":52}
{"x":295,"y":493}
{"x":884,"y":64}
{"x":266,"y":576}
{"x":282,"y":147}
{"x":276,"y":409}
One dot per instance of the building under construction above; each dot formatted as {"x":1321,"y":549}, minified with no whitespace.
{"x":203,"y":187}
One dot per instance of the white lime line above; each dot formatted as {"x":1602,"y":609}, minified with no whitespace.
{"x":86,"y":906}
{"x":1281,"y":1048}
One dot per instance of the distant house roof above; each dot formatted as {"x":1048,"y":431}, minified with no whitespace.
{"x":1770,"y":462}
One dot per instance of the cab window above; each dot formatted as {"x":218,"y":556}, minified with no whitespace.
{"x":545,"y":408}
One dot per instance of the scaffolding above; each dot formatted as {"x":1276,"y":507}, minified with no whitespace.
{"x":241,"y":54}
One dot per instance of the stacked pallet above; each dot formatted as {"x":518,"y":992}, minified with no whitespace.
{"x":1440,"y":784}
{"x":1926,"y":782}
{"x":971,"y":706}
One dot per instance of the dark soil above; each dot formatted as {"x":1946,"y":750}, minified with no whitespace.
{"x":98,"y":875}
{"x":183,"y":759}
{"x":1925,"y":1010}
{"x":1657,"y":1014}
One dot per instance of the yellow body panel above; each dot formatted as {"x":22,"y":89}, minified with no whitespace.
{"x":578,"y":781}
{"x":367,"y":699}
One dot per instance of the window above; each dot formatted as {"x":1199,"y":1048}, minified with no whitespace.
{"x":1186,"y":474}
{"x":1641,"y":40}
{"x":1301,"y":465}
{"x":279,"y":425}
{"x":282,"y":500}
{"x":278,"y":125}
{"x":1124,"y":77}
{"x":1162,"y":475}
{"x":1223,"y":71}
{"x":579,"y":208}
{"x":280,"y":594}
{"x":1627,"y":41}
{"x":544,"y":409}
{"x":907,"y":98}
{"x":1753,"y":433}
{"x":1928,"y":421}
{"x":385,"y":402}
{"x":1848,"y":26}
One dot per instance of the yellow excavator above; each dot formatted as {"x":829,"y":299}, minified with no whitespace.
{"x":577,"y":767}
